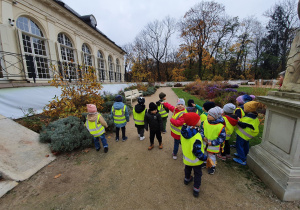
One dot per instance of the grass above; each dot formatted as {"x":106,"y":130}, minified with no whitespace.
{"x":257,"y":91}
{"x":186,"y":96}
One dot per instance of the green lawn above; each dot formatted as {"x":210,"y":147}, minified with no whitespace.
{"x":257,"y":91}
{"x":186,"y":96}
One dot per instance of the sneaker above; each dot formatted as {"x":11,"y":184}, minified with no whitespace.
{"x":105,"y":149}
{"x":196,"y":193}
{"x":232,"y":145}
{"x":174,"y":157}
{"x":97,"y":150}
{"x":139,"y":135}
{"x":221,"y":157}
{"x":124,"y":139}
{"x":212,"y":170}
{"x":117,"y":140}
{"x":203,"y":165}
{"x":186,"y":182}
{"x":151,"y":147}
{"x":142,"y":138}
{"x":160,"y":146}
{"x":164,"y":132}
{"x":236,"y":154}
{"x":238,"y":160}
{"x":228,"y":157}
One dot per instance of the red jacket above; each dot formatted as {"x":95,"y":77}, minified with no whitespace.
{"x":178,"y":122}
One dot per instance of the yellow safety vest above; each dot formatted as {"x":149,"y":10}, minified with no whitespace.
{"x":187,"y":147}
{"x":174,"y":129}
{"x":119,"y":115}
{"x":94,"y":128}
{"x":211,"y":132}
{"x":163,"y":113}
{"x":139,"y":117}
{"x":203,"y":117}
{"x":247,"y":133}
{"x":229,"y":128}
{"x":242,"y":111}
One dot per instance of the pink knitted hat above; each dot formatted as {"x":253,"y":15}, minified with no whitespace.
{"x":91,"y":108}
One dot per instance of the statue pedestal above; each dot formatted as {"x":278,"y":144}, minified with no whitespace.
{"x":277,"y":159}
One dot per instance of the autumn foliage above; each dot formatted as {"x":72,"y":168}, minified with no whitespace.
{"x":74,"y":95}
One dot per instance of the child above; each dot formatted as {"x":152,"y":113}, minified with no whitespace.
{"x":247,"y":128}
{"x":153,"y":119}
{"x":95,"y":124}
{"x":120,"y":115}
{"x":163,"y":111}
{"x":193,"y":150}
{"x":206,"y":107}
{"x":213,"y":133}
{"x":231,"y":121}
{"x":138,"y":116}
{"x":240,"y":101}
{"x":176,"y":122}
{"x":191,"y":107}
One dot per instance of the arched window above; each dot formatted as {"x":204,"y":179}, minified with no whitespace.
{"x":35,"y":49}
{"x":67,"y":57}
{"x":111,"y":68}
{"x":87,"y":56}
{"x":101,"y":66}
{"x":118,"y":70}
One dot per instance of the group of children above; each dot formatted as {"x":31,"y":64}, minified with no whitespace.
{"x":203,"y":132}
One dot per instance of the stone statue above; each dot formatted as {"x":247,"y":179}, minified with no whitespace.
{"x":291,"y":81}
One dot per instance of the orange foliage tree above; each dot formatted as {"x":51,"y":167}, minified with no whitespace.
{"x":178,"y":74}
{"x":74,"y":95}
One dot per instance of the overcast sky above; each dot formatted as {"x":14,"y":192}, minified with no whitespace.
{"x":122,"y":20}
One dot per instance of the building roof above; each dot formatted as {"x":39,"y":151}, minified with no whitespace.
{"x":90,"y":20}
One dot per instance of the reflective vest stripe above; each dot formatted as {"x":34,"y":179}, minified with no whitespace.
{"x":119,"y":119}
{"x":189,"y":160}
{"x":244,"y":132}
{"x":139,"y":117}
{"x":162,"y":111}
{"x":174,"y":129}
{"x":98,"y":127}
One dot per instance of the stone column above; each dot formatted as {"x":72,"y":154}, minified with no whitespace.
{"x":277,"y":159}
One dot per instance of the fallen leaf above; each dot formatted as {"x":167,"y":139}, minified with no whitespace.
{"x":46,"y":155}
{"x":49,"y":165}
{"x":58,"y":175}
{"x":86,"y":150}
{"x":109,"y":137}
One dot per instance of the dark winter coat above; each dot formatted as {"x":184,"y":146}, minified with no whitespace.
{"x":154,"y":121}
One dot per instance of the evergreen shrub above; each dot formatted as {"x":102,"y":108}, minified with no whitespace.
{"x":66,"y":135}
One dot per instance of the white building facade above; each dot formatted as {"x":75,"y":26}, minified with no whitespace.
{"x":40,"y":36}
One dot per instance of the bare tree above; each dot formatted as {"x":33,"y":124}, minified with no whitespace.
{"x":156,"y":37}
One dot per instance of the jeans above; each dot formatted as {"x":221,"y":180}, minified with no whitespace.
{"x":123,"y":132}
{"x":242,"y":147}
{"x":176,"y":146}
{"x":152,"y":136}
{"x":197,"y":174}
{"x":103,"y":140}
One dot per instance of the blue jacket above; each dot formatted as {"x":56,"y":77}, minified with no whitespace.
{"x":117,"y":106}
{"x":221,"y":138}
{"x":188,"y":132}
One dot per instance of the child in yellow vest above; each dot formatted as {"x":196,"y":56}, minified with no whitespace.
{"x":119,"y":113}
{"x":193,"y":150}
{"x":213,"y":133}
{"x":247,"y":128}
{"x":96,"y":125}
{"x":163,"y":111}
{"x":231,"y":121}
{"x":139,"y":112}
{"x":204,"y":110}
